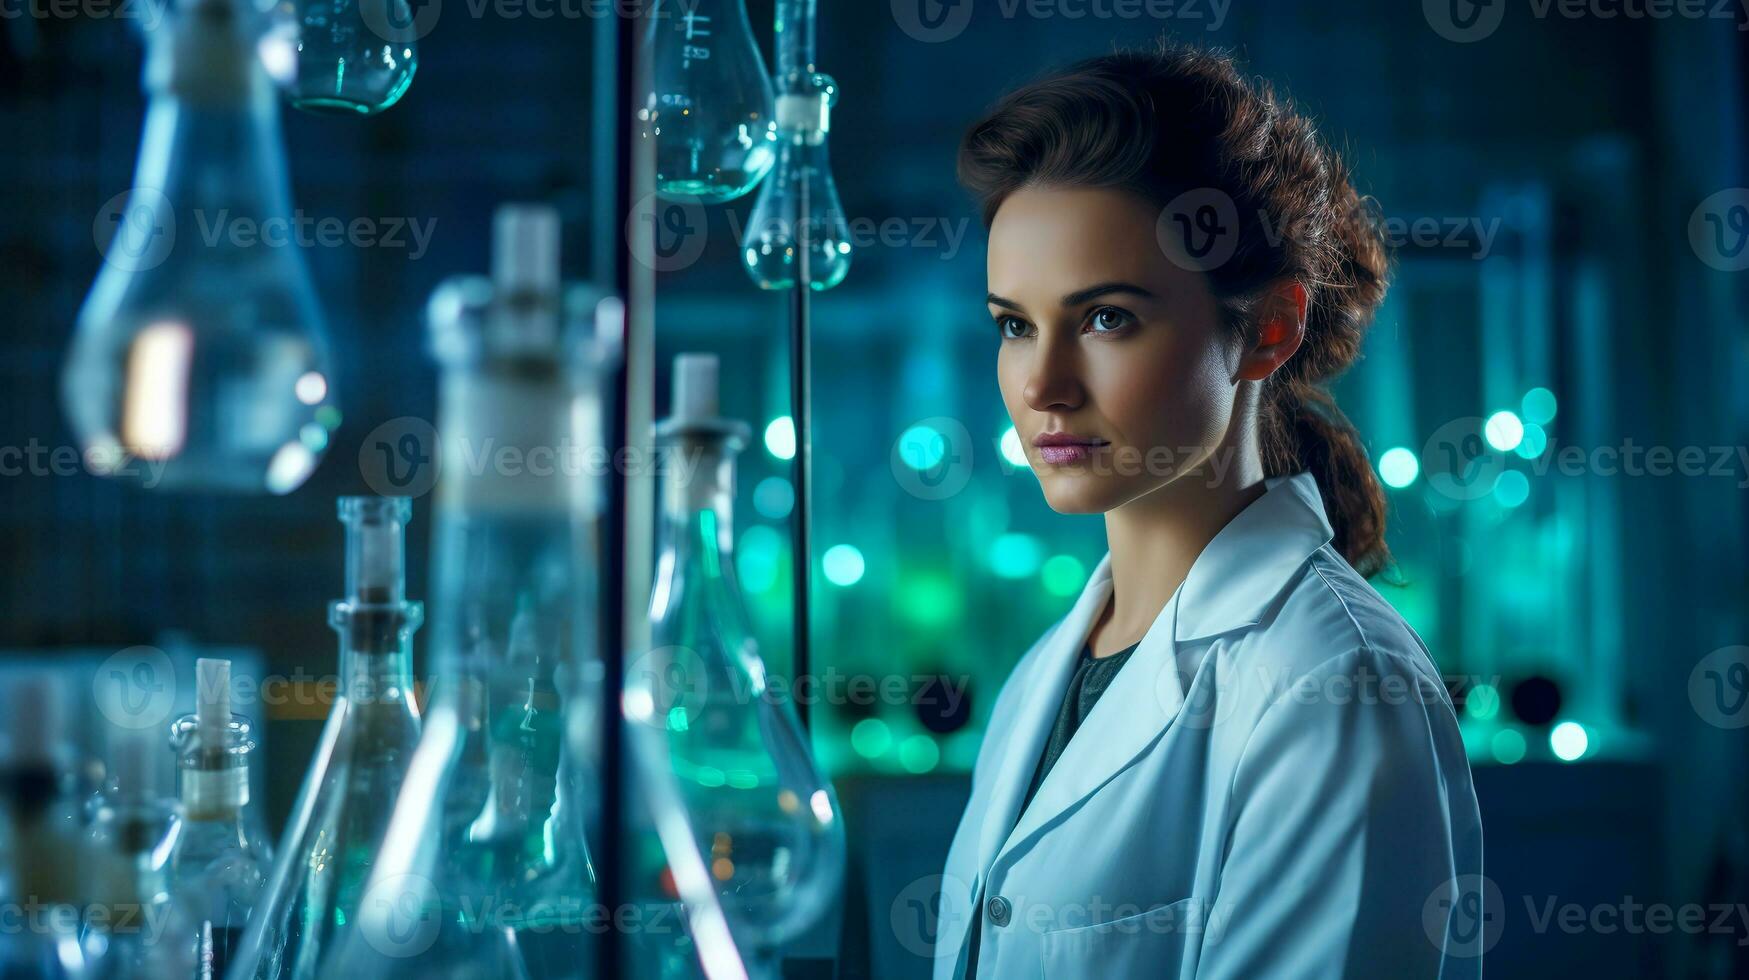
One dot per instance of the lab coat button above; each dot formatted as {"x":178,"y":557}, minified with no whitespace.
{"x":998,"y":909}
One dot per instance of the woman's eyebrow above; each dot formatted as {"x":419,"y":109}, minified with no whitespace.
{"x":1080,"y":296}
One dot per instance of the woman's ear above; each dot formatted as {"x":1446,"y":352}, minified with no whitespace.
{"x":1280,"y":327}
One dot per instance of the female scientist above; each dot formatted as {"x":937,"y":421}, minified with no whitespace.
{"x":1232,"y":758}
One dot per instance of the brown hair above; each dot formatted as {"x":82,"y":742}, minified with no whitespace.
{"x":1183,"y":121}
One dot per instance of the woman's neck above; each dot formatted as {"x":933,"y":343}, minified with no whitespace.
{"x":1155,"y":539}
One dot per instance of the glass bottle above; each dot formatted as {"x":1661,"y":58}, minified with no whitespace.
{"x":221,"y":858}
{"x":798,"y":208}
{"x":710,"y":105}
{"x":134,"y":926}
{"x":200,"y":360}
{"x":342,"y":811}
{"x":40,"y":840}
{"x":355,"y":57}
{"x":764,"y":818}
{"x":485,"y":869}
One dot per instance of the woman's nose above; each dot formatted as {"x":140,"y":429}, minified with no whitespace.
{"x":1053,"y":381}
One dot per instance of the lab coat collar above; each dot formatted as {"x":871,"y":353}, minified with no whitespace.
{"x":1229,"y":586}
{"x":1244,"y":568}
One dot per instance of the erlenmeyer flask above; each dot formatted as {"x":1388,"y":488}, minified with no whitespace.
{"x":354,"y":57}
{"x":710,"y":108}
{"x":798,"y":206}
{"x":221,"y":858}
{"x":765,"y":819}
{"x":342,"y":810}
{"x":200,"y":361}
{"x":485,"y":871}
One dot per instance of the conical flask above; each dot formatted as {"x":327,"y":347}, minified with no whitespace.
{"x":764,"y":818}
{"x":221,"y":859}
{"x":798,"y":207}
{"x":199,"y":360}
{"x":710,"y":105}
{"x":355,"y":57}
{"x":485,"y":870}
{"x":342,"y":810}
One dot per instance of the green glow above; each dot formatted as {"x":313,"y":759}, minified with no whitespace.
{"x":1539,"y":406}
{"x":758,"y":558}
{"x":1063,"y":575}
{"x":1569,"y":741}
{"x":922,"y":447}
{"x":1398,"y":467}
{"x":843,"y":564}
{"x":1508,"y":745}
{"x":1012,"y":450}
{"x":1483,"y":702}
{"x":1512,"y":488}
{"x":1504,"y":431}
{"x":871,"y":738}
{"x":780,"y":437}
{"x":919,"y":754}
{"x":1016,"y":555}
{"x":677,"y":719}
{"x":929,"y":600}
{"x":329,"y":416}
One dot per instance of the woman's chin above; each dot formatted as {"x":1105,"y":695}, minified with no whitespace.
{"x":1070,"y":493}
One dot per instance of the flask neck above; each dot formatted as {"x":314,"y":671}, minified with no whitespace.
{"x":698,"y":504}
{"x":376,"y":650}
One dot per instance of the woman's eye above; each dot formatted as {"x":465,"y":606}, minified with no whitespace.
{"x":1109,"y":318}
{"x":1010,"y":327}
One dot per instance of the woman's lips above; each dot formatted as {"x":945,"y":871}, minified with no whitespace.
{"x":1063,"y":453}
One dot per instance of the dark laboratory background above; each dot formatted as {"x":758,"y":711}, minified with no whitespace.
{"x":1568,"y":198}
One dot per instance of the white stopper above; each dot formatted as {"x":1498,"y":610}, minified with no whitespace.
{"x":212,"y":710}
{"x":525,"y":248}
{"x":695,"y":388}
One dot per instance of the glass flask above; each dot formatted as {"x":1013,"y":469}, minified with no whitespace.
{"x":342,"y":810}
{"x":40,"y":840}
{"x":485,"y":869}
{"x":221,"y":858}
{"x":354,"y":57}
{"x":710,"y":106}
{"x":199,"y":360}
{"x":798,"y":207}
{"x":134,"y":926}
{"x":764,"y":818}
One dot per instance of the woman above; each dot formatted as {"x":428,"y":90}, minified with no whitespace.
{"x":1265,"y":776}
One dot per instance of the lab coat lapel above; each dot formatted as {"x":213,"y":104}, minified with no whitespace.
{"x":1042,"y":695}
{"x":1141,"y":701}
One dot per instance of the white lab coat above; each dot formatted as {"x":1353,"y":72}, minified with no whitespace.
{"x":1273,"y":786}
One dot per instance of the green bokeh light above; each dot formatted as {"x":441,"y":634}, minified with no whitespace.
{"x":922,"y":447}
{"x":1539,"y":406}
{"x":1508,"y":745}
{"x":780,"y":437}
{"x":1063,"y":575}
{"x":919,"y":754}
{"x":1399,"y":467}
{"x":843,"y":564}
{"x":774,"y":498}
{"x":871,"y":738}
{"x":1511,"y":489}
{"x":1012,"y":450}
{"x":1569,"y":741}
{"x":1535,"y":442}
{"x":1483,"y":702}
{"x":1504,"y":431}
{"x":1016,"y":555}
{"x":758,"y":558}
